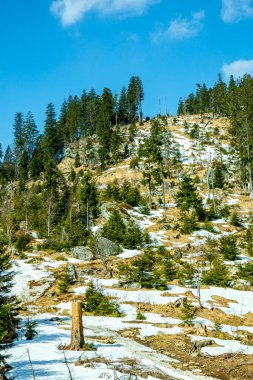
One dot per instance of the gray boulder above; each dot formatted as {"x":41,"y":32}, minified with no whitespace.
{"x":82,"y":253}
{"x":104,"y":248}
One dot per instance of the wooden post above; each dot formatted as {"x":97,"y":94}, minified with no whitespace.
{"x":77,"y":338}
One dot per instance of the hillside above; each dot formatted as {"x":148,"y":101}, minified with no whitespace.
{"x":180,"y":272}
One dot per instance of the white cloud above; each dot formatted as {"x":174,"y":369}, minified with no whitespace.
{"x":185,"y":28}
{"x":180,"y":28}
{"x":238,"y":68}
{"x":72,"y":11}
{"x":236,"y":10}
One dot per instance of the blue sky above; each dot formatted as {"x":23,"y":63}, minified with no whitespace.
{"x":53,"y":48}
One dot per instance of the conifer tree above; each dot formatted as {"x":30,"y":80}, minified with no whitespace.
{"x":19,"y":140}
{"x":8,"y":306}
{"x":228,"y":248}
{"x":135,"y":94}
{"x":123,"y":110}
{"x":114,"y":229}
{"x":52,"y":143}
{"x":188,"y":198}
{"x":31,"y":135}
{"x":89,"y":197}
{"x":181,"y":107}
{"x":8,"y":165}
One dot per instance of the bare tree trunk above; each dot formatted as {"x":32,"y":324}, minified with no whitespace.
{"x":77,"y":338}
{"x":249,"y":163}
{"x":26,"y":220}
{"x":214,"y":203}
{"x":88,"y":217}
{"x":49,"y":218}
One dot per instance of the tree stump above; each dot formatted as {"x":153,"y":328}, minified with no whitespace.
{"x":77,"y":338}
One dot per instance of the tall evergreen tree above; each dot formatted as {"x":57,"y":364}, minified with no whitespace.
{"x":31,"y":135}
{"x":19,"y":140}
{"x":123,"y":110}
{"x":135,"y":94}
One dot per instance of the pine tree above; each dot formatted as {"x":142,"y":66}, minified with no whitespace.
{"x":114,"y":229}
{"x":8,"y":166}
{"x":228,"y":248}
{"x":52,"y":142}
{"x":218,"y":175}
{"x":181,"y":107}
{"x":217,"y":275}
{"x":8,"y":307}
{"x":89,"y":198}
{"x":105,"y":123}
{"x":65,"y":281}
{"x":188,"y":198}
{"x":123,"y":110}
{"x":135,"y":95}
{"x":31,"y":135}
{"x":19,"y":140}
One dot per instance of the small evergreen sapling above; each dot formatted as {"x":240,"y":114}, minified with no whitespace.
{"x":217,"y":275}
{"x":228,"y":248}
{"x":97,"y":303}
{"x":30,"y":332}
{"x":188,"y":313}
{"x":65,"y":281}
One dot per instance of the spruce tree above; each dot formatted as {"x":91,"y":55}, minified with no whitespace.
{"x":228,"y":248}
{"x":8,"y":307}
{"x":187,"y":197}
{"x":31,"y":135}
{"x":114,"y":229}
{"x":123,"y":109}
{"x":19,"y":140}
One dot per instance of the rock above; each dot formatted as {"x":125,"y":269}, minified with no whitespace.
{"x":54,"y":319}
{"x":82,"y":253}
{"x":106,"y":209}
{"x":180,"y":302}
{"x":128,"y":285}
{"x":241,"y":285}
{"x":72,"y":271}
{"x":104,"y":248}
{"x":198,"y":344}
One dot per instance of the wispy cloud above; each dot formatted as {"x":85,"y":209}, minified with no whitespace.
{"x":236,"y":10}
{"x":71,"y":11}
{"x":181,"y":28}
{"x":238,"y":68}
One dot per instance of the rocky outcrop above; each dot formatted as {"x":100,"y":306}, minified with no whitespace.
{"x":82,"y":253}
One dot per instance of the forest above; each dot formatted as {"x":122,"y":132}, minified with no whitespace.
{"x":49,"y":187}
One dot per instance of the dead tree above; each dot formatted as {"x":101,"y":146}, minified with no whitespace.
{"x":77,"y":338}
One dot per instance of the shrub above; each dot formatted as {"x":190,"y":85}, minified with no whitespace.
{"x":65,"y":281}
{"x":235,"y":220}
{"x":22,"y":242}
{"x":30,"y":332}
{"x":133,"y":237}
{"x":217,"y":275}
{"x":228,"y":248}
{"x":246,"y":272}
{"x":145,"y":210}
{"x":140,"y":316}
{"x":188,"y":223}
{"x":97,"y":303}
{"x":188,"y":312}
{"x":144,"y":270}
{"x":115,"y":229}
{"x":187,"y":273}
{"x":209,"y":227}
